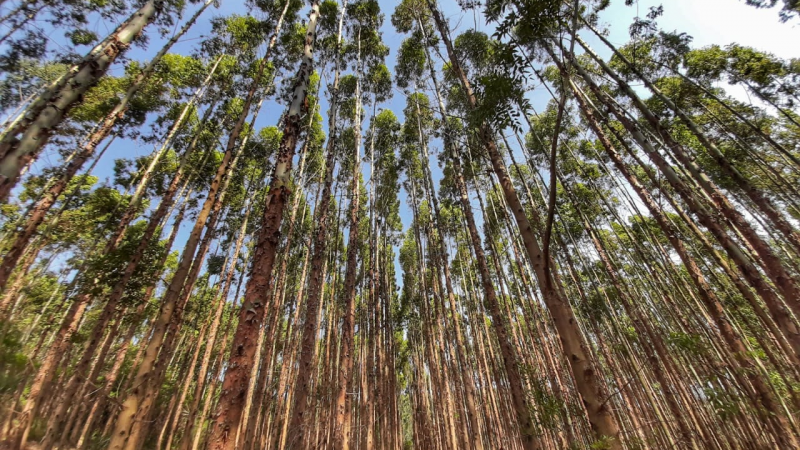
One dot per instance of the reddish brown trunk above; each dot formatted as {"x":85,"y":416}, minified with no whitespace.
{"x":317,"y":274}
{"x":260,"y":283}
{"x":509,"y":355}
{"x":771,"y":263}
{"x":48,"y":111}
{"x":10,"y":295}
{"x":186,"y":440}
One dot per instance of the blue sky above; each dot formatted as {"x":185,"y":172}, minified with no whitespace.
{"x":708,"y":21}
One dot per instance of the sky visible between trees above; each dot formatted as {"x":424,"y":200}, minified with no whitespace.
{"x":422,"y":224}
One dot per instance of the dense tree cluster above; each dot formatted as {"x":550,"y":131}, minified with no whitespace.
{"x":615,"y":267}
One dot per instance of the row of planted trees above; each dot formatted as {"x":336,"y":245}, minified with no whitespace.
{"x":617,"y":269}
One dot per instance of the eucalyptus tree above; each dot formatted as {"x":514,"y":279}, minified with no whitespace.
{"x":104,"y":129}
{"x":234,"y":387}
{"x":23,"y":138}
{"x":174,"y":300}
{"x":575,"y":346}
{"x":763,"y":394}
{"x":386,"y":227}
{"x":541,"y":254}
{"x":106,"y":198}
{"x":364,"y":19}
{"x":334,"y":45}
{"x":176,"y":70}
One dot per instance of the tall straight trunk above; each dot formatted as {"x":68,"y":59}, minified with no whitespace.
{"x":587,"y":378}
{"x":97,"y":367}
{"x":110,"y":379}
{"x":235,"y":384}
{"x":23,"y":142}
{"x":317,"y":272}
{"x":343,"y":420}
{"x":186,"y":440}
{"x":36,"y":216}
{"x":47,"y":370}
{"x":250,"y":426}
{"x":155,"y":158}
{"x":141,"y":390}
{"x":253,"y":431}
{"x":113,"y":372}
{"x":173,"y":425}
{"x":466,"y":372}
{"x":373,"y":305}
{"x":431,"y":326}
{"x":137,"y":431}
{"x":215,"y":377}
{"x":57,"y":420}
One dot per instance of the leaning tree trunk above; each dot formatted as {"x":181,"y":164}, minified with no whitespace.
{"x":587,"y":377}
{"x":57,"y":420}
{"x":116,"y":367}
{"x":773,"y":267}
{"x":136,"y":436}
{"x":145,"y":373}
{"x":47,"y":370}
{"x":186,"y":439}
{"x":37,"y":215}
{"x":141,"y":188}
{"x":22,"y":144}
{"x":764,"y":396}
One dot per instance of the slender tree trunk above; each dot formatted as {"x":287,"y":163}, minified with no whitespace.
{"x":772,"y":265}
{"x":185,"y":389}
{"x":587,"y":377}
{"x":343,"y":420}
{"x":234,"y":386}
{"x":16,"y":152}
{"x":145,"y":373}
{"x":467,"y":380}
{"x":47,"y":370}
{"x":12,"y":292}
{"x":186,"y":440}
{"x":155,"y":158}
{"x":707,"y":294}
{"x":37,"y":215}
{"x":317,"y":273}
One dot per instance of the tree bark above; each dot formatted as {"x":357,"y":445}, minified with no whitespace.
{"x":235,"y":385}
{"x":16,"y":153}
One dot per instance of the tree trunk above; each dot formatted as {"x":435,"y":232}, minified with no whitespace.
{"x":317,"y":273}
{"x":586,"y":376}
{"x":47,"y":370}
{"x":17,"y":152}
{"x":234,"y":386}
{"x":707,"y":294}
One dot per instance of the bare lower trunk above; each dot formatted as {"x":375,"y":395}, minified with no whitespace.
{"x":235,"y":385}
{"x":47,"y":370}
{"x":586,"y":376}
